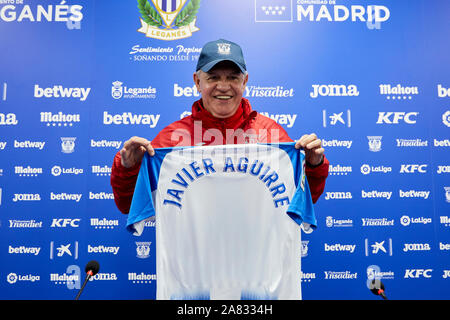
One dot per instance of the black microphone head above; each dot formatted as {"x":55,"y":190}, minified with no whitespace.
{"x":376,"y":286}
{"x":92,"y":266}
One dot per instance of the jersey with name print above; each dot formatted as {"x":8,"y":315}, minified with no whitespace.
{"x":228,"y":220}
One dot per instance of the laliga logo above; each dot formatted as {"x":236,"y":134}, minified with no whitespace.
{"x":446,"y":118}
{"x":171,"y":20}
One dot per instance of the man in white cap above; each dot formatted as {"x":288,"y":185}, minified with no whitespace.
{"x":221,"y":116}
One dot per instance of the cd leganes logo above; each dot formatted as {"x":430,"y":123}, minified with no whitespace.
{"x":168,"y":19}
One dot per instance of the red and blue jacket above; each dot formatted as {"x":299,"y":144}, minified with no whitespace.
{"x":202,"y":128}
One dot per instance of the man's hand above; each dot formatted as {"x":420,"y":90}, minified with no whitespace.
{"x":313,"y":148}
{"x":133,"y":151}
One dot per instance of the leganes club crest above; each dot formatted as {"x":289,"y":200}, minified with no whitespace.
{"x":168,"y":19}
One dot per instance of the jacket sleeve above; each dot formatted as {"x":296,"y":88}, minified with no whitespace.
{"x":123,"y":181}
{"x":316,"y":178}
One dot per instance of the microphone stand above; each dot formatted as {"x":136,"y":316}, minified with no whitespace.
{"x":88,"y":276}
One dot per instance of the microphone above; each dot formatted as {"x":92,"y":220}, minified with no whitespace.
{"x":377,"y":288}
{"x":91,"y":269}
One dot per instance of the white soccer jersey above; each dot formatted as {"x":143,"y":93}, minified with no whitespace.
{"x":227,"y":220}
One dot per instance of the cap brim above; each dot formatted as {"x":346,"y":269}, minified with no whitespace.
{"x":211,"y":64}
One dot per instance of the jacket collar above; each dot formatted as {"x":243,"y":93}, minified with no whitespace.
{"x":243,"y":116}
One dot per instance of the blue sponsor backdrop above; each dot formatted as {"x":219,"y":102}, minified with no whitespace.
{"x":79,"y":78}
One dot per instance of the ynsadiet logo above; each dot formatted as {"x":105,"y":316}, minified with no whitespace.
{"x":168,"y":19}
{"x":268,"y":92}
{"x":411,"y":143}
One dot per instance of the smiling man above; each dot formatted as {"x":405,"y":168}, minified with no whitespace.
{"x":222,"y":88}
{"x":221,"y":116}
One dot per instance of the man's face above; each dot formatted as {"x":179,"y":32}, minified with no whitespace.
{"x":221,"y":88}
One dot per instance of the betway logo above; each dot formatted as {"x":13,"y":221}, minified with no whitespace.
{"x":179,"y":91}
{"x":103,"y":249}
{"x":59,"y":91}
{"x":101,"y":196}
{"x":337,"y":143}
{"x":128,"y":118}
{"x":29,"y":144}
{"x":340,"y":247}
{"x":395,"y":117}
{"x":283,"y":119}
{"x":441,"y":143}
{"x":443,"y":92}
{"x":414,"y":194}
{"x":65,"y":196}
{"x":24,"y":250}
{"x":376,"y":194}
{"x":106,"y":144}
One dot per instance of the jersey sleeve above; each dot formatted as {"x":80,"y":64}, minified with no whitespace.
{"x":142,"y":206}
{"x":301,"y":208}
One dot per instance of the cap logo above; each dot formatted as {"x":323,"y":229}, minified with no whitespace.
{"x":223,"y":48}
